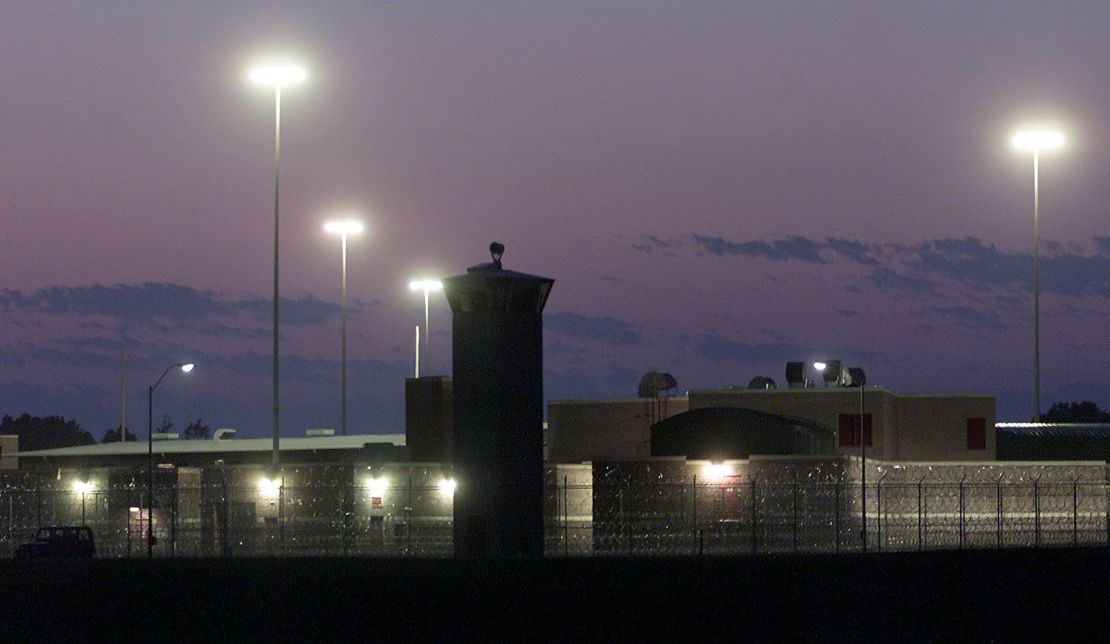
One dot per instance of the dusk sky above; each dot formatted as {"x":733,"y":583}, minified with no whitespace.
{"x":716,"y":187}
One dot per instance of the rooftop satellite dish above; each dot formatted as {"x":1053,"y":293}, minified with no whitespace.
{"x":654,"y":382}
{"x":761,"y":382}
{"x":496,"y":250}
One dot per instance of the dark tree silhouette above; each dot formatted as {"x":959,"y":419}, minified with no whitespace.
{"x":1075,"y":412}
{"x":197,"y":429}
{"x":165,"y":426}
{"x":112,"y":436}
{"x":45,"y":433}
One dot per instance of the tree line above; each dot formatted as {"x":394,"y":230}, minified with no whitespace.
{"x":50,"y":432}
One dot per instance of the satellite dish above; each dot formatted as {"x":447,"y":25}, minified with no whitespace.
{"x":653,"y":382}
{"x":761,"y":382}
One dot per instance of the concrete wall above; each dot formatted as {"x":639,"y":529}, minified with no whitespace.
{"x":585,"y":430}
{"x":929,"y":427}
{"x":823,"y":406}
{"x":9,"y":444}
{"x":935,"y":427}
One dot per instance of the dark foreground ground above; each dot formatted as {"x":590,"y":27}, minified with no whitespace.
{"x":947,"y":596}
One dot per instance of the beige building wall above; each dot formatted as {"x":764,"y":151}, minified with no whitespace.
{"x":823,"y":406}
{"x":9,"y":444}
{"x":926,"y":427}
{"x":584,"y":430}
{"x":934,"y":427}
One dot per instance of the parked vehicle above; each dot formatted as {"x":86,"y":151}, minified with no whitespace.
{"x":59,"y":542}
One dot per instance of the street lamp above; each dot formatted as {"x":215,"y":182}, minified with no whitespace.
{"x":276,"y":76}
{"x":343,"y":228}
{"x":1036,"y":140}
{"x":427,"y":285}
{"x":185,"y":367}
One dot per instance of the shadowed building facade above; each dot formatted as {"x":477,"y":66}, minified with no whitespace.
{"x":497,"y":339}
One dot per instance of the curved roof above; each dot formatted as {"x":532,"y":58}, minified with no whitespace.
{"x":736,"y":432}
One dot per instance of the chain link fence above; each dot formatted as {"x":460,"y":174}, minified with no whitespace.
{"x":410,"y":514}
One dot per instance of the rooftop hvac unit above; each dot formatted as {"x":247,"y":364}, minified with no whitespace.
{"x":796,"y":375}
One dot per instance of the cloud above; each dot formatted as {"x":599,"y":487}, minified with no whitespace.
{"x":856,"y":251}
{"x":971,"y":261}
{"x":967,"y":316}
{"x":716,"y":347}
{"x":173,"y":305}
{"x":926,"y":266}
{"x":793,"y":247}
{"x":888,"y":279}
{"x":651,"y":244}
{"x":609,"y":330}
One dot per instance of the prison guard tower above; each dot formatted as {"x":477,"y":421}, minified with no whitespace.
{"x":497,"y":339}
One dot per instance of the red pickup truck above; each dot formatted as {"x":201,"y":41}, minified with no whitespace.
{"x":59,"y":542}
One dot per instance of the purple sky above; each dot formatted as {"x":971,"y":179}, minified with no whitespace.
{"x":717,"y":187}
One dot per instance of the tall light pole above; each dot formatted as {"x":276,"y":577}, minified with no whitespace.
{"x":1036,"y":140}
{"x":343,"y":228}
{"x":427,"y":285}
{"x":185,"y":367}
{"x":276,"y":76}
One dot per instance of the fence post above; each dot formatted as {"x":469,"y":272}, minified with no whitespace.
{"x":566,"y":517}
{"x":281,"y":515}
{"x":1075,"y":512}
{"x":999,"y":514}
{"x":697,"y":530}
{"x":173,"y":520}
{"x":754,"y":537}
{"x":795,"y":492}
{"x":408,"y":520}
{"x":962,"y":511}
{"x":879,"y":512}
{"x":1036,"y":513}
{"x":129,"y":499}
{"x":836,"y":510}
{"x":224,"y":545}
{"x":344,"y":516}
{"x":922,"y":515}
{"x":620,"y":510}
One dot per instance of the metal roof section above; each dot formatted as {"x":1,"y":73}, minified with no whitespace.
{"x":220,"y":444}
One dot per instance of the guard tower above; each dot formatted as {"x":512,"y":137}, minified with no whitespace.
{"x":497,"y":339}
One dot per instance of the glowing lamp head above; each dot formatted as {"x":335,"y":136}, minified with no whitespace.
{"x":717,"y":472}
{"x":277,"y":75}
{"x":1035,"y":140}
{"x":377,"y":486}
{"x":344,"y":227}
{"x":820,"y":366}
{"x":426,"y":285}
{"x":447,"y":487}
{"x":187,"y":367}
{"x":269,"y":487}
{"x":82,"y":486}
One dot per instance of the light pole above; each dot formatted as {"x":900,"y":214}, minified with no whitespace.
{"x":427,"y":285}
{"x":186,"y":367}
{"x":276,"y":77}
{"x":1036,"y":140}
{"x":343,"y":228}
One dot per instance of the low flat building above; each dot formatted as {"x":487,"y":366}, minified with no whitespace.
{"x":896,"y":427}
{"x":223,"y":447}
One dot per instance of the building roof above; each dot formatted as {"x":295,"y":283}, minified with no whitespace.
{"x":1070,"y":430}
{"x":220,"y":445}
